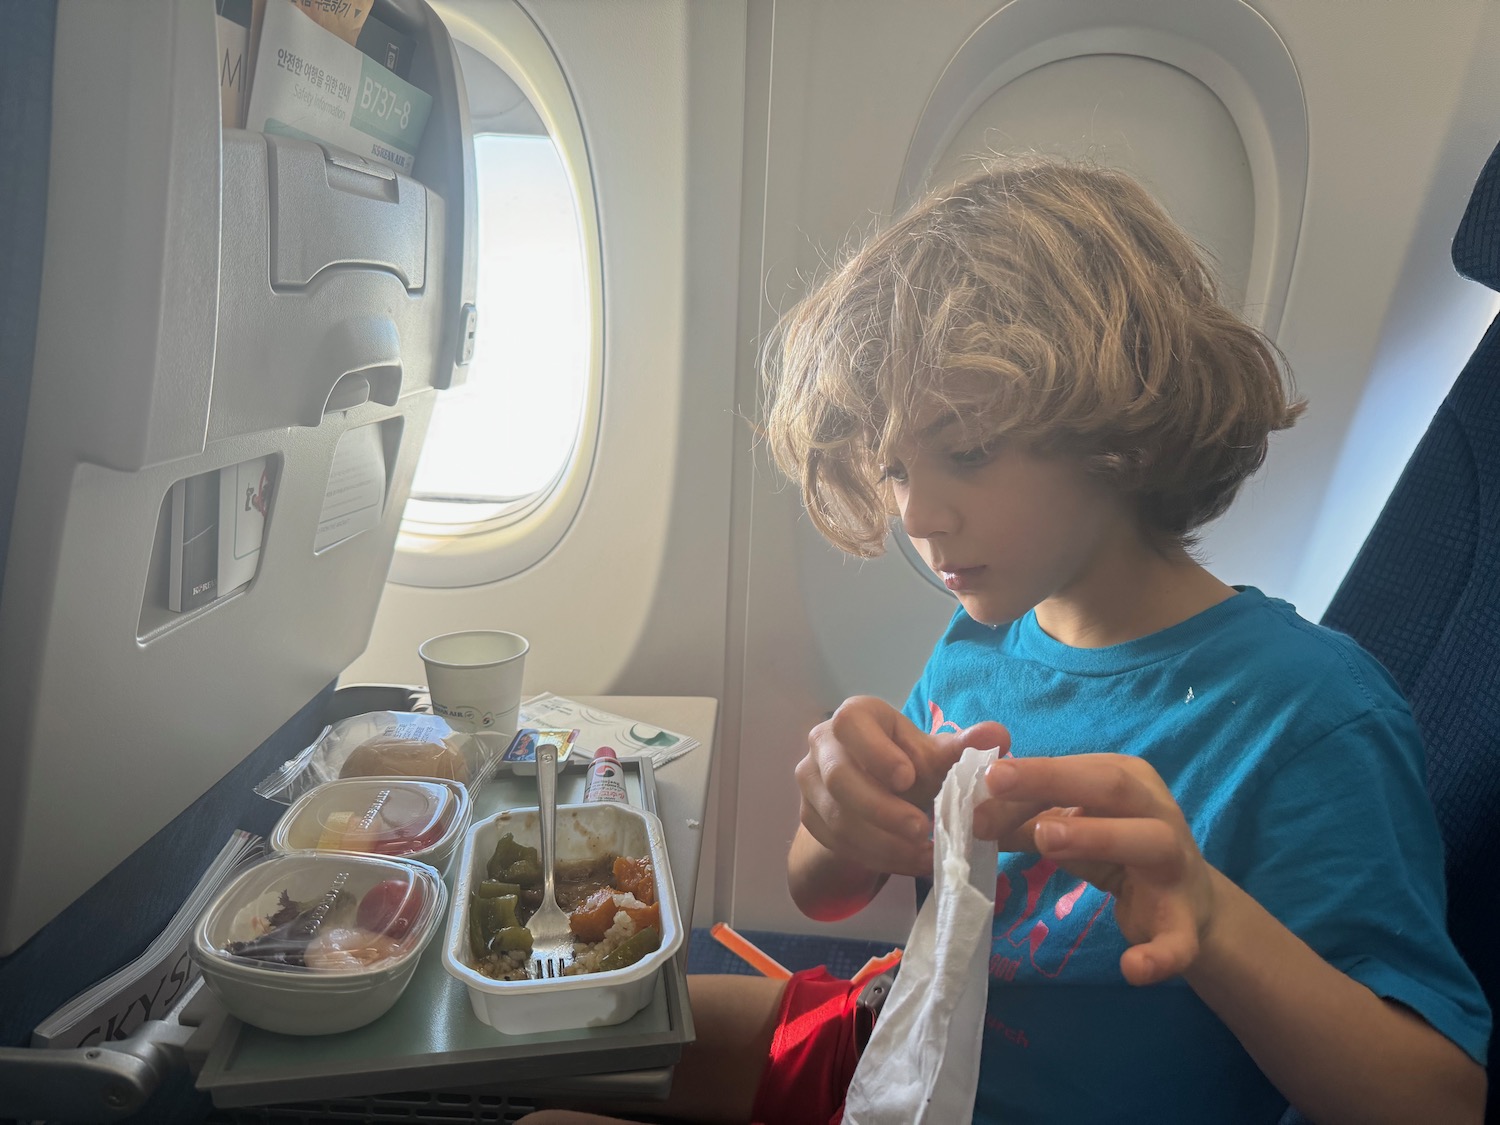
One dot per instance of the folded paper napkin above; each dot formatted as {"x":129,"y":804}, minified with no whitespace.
{"x":921,"y":1066}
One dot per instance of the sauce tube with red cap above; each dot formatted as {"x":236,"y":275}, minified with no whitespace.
{"x":606,"y":778}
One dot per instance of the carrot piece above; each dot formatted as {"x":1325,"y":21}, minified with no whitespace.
{"x":635,"y":876}
{"x":592,"y":917}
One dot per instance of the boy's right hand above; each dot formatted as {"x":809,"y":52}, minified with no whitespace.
{"x":869,"y":779}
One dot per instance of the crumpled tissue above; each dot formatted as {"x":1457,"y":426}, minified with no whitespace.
{"x":921,"y":1065}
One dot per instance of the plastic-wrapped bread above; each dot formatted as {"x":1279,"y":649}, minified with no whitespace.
{"x":387,"y":744}
{"x":405,"y":757}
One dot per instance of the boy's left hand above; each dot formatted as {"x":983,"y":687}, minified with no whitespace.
{"x":1110,"y":819}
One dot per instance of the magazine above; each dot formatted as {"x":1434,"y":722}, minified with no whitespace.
{"x":630,"y":738}
{"x":147,"y":987}
{"x":232,"y":29}
{"x":313,"y":84}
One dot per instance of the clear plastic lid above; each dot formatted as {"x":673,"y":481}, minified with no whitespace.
{"x":322,"y":915}
{"x":380,"y":816}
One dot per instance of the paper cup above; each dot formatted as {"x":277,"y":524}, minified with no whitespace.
{"x":474,"y":678}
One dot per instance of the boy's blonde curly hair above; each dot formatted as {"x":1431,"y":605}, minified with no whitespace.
{"x":1044,"y":302}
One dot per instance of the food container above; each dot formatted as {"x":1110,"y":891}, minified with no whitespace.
{"x":520,"y":755}
{"x":387,"y":744}
{"x":308,"y":943}
{"x":589,"y":1000}
{"x":411,"y":817}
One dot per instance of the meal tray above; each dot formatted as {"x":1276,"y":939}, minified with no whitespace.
{"x":431,"y":1039}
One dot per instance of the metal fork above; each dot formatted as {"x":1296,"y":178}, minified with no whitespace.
{"x":551,"y":937}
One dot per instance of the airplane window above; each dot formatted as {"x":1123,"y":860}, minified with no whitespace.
{"x":507,"y":453}
{"x":506,"y":435}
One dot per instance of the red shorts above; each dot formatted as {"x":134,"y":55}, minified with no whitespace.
{"x":813,"y":1052}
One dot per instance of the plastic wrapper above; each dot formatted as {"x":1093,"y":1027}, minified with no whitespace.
{"x":921,"y":1065}
{"x":388,"y":744}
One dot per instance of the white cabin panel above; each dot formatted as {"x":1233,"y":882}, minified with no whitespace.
{"x":1396,"y":130}
{"x":736,"y":148}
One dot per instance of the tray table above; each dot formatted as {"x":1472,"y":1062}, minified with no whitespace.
{"x":431,"y":1039}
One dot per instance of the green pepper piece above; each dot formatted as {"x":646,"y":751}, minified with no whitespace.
{"x":492,"y":888}
{"x":512,"y":939}
{"x":526,"y":872}
{"x":489,"y":918}
{"x":507,"y":851}
{"x":503,"y":911}
{"x":631,"y":950}
{"x":496,"y":913}
{"x":478,"y":938}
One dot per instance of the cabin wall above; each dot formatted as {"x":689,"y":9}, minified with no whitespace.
{"x":760,"y":139}
{"x":1376,"y":327}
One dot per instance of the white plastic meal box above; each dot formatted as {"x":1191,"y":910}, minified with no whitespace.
{"x":420,"y":818}
{"x":309,"y":943}
{"x":584,"y":831}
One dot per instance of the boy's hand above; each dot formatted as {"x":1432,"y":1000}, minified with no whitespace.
{"x":869,"y":779}
{"x":1110,"y":819}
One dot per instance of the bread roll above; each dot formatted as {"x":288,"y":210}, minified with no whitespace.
{"x":406,"y":757}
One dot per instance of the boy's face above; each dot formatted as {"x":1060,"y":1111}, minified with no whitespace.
{"x":1004,"y":529}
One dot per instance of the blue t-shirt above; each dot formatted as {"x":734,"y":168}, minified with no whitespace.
{"x":1300,"y":771}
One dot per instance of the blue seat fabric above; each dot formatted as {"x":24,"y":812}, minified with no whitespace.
{"x":1423,"y":596}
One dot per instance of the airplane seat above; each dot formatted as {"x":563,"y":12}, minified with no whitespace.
{"x":25,"y":103}
{"x":1423,"y":596}
{"x":114,"y":920}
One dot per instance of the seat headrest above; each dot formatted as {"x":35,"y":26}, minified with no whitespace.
{"x":1476,"y":243}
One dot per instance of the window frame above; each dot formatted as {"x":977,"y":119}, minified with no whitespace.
{"x":507,"y":538}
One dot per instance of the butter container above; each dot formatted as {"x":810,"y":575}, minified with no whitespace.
{"x":520,"y":755}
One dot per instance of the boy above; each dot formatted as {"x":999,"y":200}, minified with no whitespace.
{"x":1220,"y":881}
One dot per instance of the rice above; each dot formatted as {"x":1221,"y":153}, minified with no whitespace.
{"x":505,"y":966}
{"x":586,"y":955}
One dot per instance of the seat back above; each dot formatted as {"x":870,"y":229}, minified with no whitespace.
{"x":26,"y":124}
{"x":1423,"y":596}
{"x":121,"y":914}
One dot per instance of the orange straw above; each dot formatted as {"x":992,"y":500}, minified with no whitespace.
{"x":748,"y":952}
{"x":877,"y":965}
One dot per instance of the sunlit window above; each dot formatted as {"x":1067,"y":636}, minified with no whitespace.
{"x":498,"y":443}
{"x":506,"y":460}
